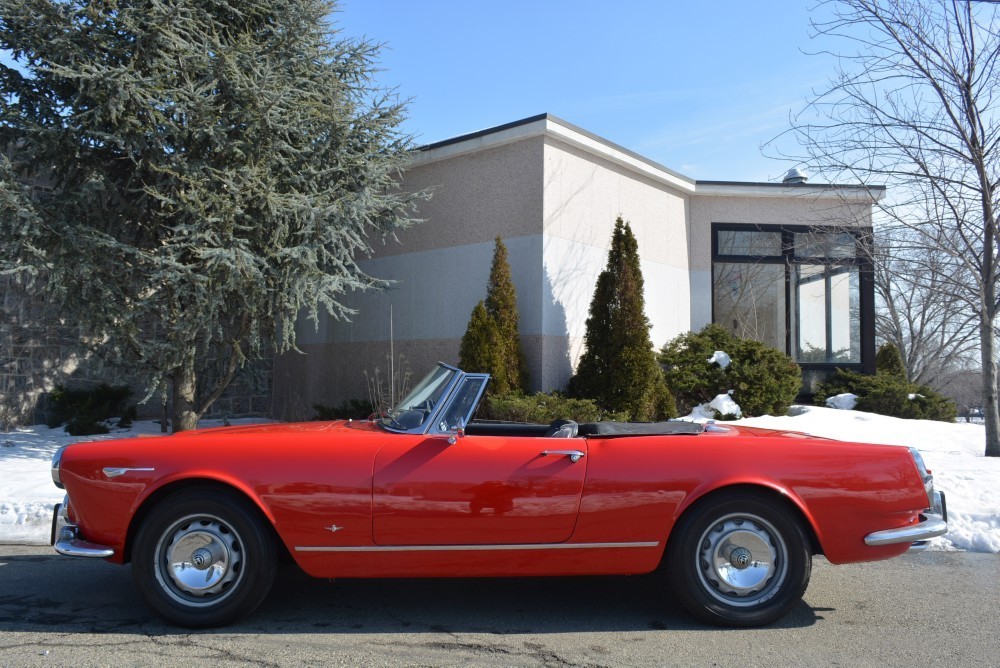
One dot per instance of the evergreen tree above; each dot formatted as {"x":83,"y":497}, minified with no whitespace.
{"x":618,"y":369}
{"x":504,"y":359}
{"x":216,"y":169}
{"x":889,"y":362}
{"x":479,"y":352}
{"x":501,"y":304}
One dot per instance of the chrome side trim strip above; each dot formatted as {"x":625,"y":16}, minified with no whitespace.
{"x":473,"y":548}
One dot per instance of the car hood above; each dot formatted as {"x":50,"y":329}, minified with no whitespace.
{"x":271,"y":428}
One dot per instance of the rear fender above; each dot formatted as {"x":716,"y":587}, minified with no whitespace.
{"x":768,"y":487}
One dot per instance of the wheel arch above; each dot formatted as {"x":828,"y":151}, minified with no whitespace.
{"x":767,"y":493}
{"x":200,"y":483}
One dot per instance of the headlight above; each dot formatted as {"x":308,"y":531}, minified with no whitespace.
{"x":925,"y":475}
{"x":56,"y":458}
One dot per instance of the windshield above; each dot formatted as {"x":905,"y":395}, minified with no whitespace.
{"x":417,"y":406}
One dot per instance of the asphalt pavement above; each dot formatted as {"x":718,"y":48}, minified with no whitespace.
{"x":920,"y":609}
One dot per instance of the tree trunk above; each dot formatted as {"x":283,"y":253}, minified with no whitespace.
{"x":991,"y":411}
{"x":184,"y":383}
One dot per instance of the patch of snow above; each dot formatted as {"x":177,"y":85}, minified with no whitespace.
{"x":725,"y":405}
{"x":700,"y":413}
{"x":721,"y":358}
{"x":722,"y":404}
{"x":844,"y":402}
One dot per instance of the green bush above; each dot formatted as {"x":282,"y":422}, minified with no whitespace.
{"x":83,"y":411}
{"x":128,"y":417}
{"x":541,"y":408}
{"x":690,"y":377}
{"x":349,"y":409}
{"x":889,"y":362}
{"x":888,"y":394}
{"x":763,"y":380}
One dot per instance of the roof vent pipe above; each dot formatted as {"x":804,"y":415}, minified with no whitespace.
{"x":795,"y":175}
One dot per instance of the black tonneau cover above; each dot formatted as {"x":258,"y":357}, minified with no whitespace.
{"x":639,"y":428}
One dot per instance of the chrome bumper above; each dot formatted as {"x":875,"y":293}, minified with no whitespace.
{"x":933,"y":522}
{"x":65,"y":540}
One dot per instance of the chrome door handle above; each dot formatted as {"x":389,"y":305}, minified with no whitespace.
{"x":574,"y":455}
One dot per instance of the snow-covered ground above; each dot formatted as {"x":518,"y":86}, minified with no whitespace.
{"x":954,"y":452}
{"x":27,"y":494}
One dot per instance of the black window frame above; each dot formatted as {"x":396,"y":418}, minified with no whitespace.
{"x":861,"y":259}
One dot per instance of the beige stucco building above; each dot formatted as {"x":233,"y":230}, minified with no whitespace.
{"x":775,"y":261}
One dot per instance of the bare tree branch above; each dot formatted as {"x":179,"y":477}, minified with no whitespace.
{"x":913,"y":105}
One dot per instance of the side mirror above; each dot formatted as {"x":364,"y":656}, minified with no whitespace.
{"x":457,"y":433}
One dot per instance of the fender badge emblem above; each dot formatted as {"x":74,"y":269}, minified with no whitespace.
{"x":334,"y":528}
{"x":113,"y":472}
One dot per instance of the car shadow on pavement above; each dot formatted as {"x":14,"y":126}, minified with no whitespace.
{"x":46,"y":591}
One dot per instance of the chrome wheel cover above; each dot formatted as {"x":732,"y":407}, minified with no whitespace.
{"x":742,"y":560}
{"x":199,"y":560}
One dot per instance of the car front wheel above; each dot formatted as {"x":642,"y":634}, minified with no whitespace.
{"x":203,"y":558}
{"x":739,"y":559}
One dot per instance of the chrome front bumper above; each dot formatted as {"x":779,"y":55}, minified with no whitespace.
{"x":933,"y":522}
{"x":65,"y":539}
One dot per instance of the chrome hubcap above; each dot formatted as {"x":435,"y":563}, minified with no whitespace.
{"x":199,"y":559}
{"x":742,"y":559}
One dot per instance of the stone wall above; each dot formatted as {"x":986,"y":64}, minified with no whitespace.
{"x":39,"y":350}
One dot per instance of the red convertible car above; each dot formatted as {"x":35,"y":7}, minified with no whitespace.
{"x":734,"y":514}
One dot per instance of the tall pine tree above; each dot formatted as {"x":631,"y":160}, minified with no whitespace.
{"x":480,"y":348}
{"x":216,"y":169}
{"x":618,"y":369}
{"x":504,"y":360}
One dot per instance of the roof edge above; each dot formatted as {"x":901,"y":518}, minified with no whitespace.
{"x":599,"y":145}
{"x":483,"y":133}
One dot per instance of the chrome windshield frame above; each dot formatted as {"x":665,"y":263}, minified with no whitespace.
{"x":431,"y":423}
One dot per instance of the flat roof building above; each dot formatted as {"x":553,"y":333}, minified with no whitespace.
{"x":778,"y":262}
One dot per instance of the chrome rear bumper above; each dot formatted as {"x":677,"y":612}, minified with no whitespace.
{"x":933,"y":522}
{"x":65,"y":540}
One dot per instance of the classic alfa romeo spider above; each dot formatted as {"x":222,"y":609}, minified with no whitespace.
{"x":734,"y":514}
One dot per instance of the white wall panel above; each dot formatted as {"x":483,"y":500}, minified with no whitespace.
{"x":434,"y":294}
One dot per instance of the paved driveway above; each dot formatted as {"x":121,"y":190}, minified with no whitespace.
{"x":921,"y":609}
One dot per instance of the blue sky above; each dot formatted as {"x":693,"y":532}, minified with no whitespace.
{"x":697,"y":87}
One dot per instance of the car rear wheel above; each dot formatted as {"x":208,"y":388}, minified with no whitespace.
{"x":203,"y":558}
{"x":739,"y":559}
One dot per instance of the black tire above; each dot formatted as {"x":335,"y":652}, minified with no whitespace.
{"x":203,"y":558}
{"x":739,"y":559}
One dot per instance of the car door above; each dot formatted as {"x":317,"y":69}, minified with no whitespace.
{"x":477,"y":490}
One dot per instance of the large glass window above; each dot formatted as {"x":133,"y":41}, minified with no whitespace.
{"x":749,"y":242}
{"x":826,"y":320}
{"x":750,"y":300}
{"x":798,"y":289}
